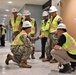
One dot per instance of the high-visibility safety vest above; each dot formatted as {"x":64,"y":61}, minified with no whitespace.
{"x":15,"y":25}
{"x":17,"y":40}
{"x":33,"y":26}
{"x":45,"y":28}
{"x":54,"y":24}
{"x":70,"y":44}
{"x":3,"y":30}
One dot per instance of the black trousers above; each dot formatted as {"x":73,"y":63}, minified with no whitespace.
{"x":43,"y":43}
{"x":3,"y":40}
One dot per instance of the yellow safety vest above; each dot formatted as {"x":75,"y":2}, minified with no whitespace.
{"x":33,"y":26}
{"x":15,"y":25}
{"x":17,"y":40}
{"x":3,"y":30}
{"x":54,"y":24}
{"x":45,"y":28}
{"x":70,"y":44}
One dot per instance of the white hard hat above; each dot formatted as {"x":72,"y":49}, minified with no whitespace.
{"x":61,"y":26}
{"x":14,"y":10}
{"x":26,"y":12}
{"x":26,"y":24}
{"x":45,"y":13}
{"x":19,"y":14}
{"x":52,"y":9}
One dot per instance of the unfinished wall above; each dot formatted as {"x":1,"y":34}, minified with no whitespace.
{"x":68,"y":13}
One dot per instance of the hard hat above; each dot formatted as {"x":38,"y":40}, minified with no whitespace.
{"x":26,"y":12}
{"x":61,"y":26}
{"x":14,"y":10}
{"x":52,"y":9}
{"x":45,"y":13}
{"x":26,"y":24}
{"x":3,"y":24}
{"x":19,"y":14}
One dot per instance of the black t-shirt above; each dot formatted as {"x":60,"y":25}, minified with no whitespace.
{"x":61,"y":41}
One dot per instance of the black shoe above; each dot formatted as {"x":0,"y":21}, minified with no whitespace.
{"x":67,"y":69}
{"x":73,"y":65}
{"x":74,"y":68}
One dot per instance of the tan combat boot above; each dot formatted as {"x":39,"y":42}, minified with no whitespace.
{"x":32,"y":56}
{"x":45,"y":60}
{"x":9,"y":57}
{"x":53,"y":61}
{"x":24,"y":65}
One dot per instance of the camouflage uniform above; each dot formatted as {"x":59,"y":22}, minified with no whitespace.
{"x":20,"y":53}
{"x":33,"y":42}
{"x":52,"y":40}
{"x":23,"y":52}
{"x":14,"y":34}
{"x":31,"y":20}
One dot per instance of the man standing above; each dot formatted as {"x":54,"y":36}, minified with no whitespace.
{"x":3,"y":32}
{"x":15,"y":23}
{"x":52,"y":40}
{"x":44,"y":31}
{"x":65,"y":50}
{"x":33,"y":28}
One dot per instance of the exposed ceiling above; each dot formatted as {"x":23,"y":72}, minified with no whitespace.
{"x":5,"y":15}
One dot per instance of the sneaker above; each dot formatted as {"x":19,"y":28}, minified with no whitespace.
{"x":67,"y":69}
{"x":74,"y":68}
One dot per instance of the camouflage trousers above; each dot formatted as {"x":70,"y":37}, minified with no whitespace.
{"x":33,"y":42}
{"x":20,"y":53}
{"x":14,"y":34}
{"x":51,"y":41}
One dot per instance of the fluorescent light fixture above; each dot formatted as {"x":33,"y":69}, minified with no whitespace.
{"x":7,"y":10}
{"x":10,"y":2}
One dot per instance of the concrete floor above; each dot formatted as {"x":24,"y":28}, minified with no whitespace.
{"x":38,"y":67}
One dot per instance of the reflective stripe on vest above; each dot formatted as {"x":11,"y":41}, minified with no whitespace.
{"x":54,"y":24}
{"x":17,"y":40}
{"x":3,"y":30}
{"x":45,"y":28}
{"x":70,"y":44}
{"x":15,"y":25}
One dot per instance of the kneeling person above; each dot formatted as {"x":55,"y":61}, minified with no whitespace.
{"x":65,"y":50}
{"x":22,"y":47}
